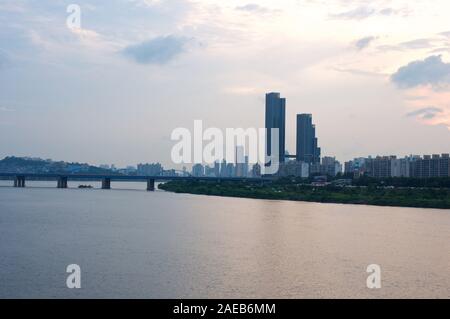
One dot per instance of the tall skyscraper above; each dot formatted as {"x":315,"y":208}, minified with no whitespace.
{"x":307,"y":148}
{"x":240,"y":161}
{"x":276,"y":118}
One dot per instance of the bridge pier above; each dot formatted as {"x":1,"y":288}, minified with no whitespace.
{"x":150,"y":185}
{"x":19,"y":181}
{"x":106,"y":183}
{"x":62,"y":182}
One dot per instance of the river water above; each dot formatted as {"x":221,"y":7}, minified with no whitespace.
{"x":130,"y":243}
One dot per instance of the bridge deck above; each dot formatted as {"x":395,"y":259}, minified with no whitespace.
{"x":125,"y":178}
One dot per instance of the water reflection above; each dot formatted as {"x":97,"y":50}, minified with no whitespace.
{"x":136,"y":244}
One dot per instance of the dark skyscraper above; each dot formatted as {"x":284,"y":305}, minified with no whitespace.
{"x":307,"y":149}
{"x":276,"y":118}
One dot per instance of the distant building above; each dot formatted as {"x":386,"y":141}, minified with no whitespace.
{"x":256,"y":170}
{"x":150,"y":169}
{"x":380,"y":166}
{"x":246,"y":166}
{"x":444,"y":165}
{"x":276,"y":118}
{"x":131,"y":169}
{"x":209,"y":171}
{"x":230,"y":170}
{"x":307,"y":144}
{"x":198,"y":170}
{"x":315,"y":169}
{"x":330,"y":166}
{"x":217,"y":169}
{"x":240,"y":161}
{"x":401,"y":167}
{"x":223,"y":169}
{"x":411,"y":166}
{"x":356,"y":167}
{"x":169,"y":173}
{"x":431,"y":166}
{"x":294,"y":168}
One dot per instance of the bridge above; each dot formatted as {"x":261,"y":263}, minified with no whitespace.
{"x":62,"y":179}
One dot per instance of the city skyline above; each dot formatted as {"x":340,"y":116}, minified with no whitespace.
{"x":306,"y":141}
{"x":377,"y":84}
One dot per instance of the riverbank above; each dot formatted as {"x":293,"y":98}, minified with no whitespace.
{"x":378,"y":196}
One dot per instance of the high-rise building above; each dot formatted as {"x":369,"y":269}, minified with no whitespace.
{"x":241,"y":162}
{"x":401,"y":167}
{"x":380,"y":166}
{"x":216,"y":169}
{"x":330,"y":166}
{"x":307,"y":148}
{"x":444,"y":165}
{"x":198,"y":170}
{"x":276,"y":118}
{"x":411,"y":166}
{"x":431,"y":166}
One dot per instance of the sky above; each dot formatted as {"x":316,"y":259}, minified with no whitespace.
{"x":374,"y":74}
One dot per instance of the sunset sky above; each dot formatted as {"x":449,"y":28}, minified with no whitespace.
{"x":374,"y":74}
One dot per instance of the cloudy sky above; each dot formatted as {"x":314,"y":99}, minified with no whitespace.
{"x":374,"y":74}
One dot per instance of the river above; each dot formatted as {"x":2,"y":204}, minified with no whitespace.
{"x":130,"y":243}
